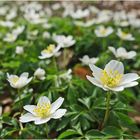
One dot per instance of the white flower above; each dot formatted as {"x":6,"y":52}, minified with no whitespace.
{"x":122,"y":53}
{"x":80,"y":13}
{"x":18,"y":30}
{"x":124,"y":23}
{"x":9,"y":24}
{"x":86,"y":60}
{"x":125,"y":36}
{"x":12,"y":14}
{"x":10,"y":37}
{"x":40,"y":74}
{"x":85,"y":24}
{"x":67,"y":75}
{"x":19,"y":81}
{"x":46,"y":35}
{"x":64,"y":41}
{"x":19,"y":50}
{"x":101,"y":31}
{"x":50,"y":51}
{"x":44,"y":111}
{"x":112,"y":77}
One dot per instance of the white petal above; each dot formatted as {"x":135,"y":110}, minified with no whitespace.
{"x":30,"y":108}
{"x":97,"y":72}
{"x":131,"y":54}
{"x":25,"y":74}
{"x":131,"y":84}
{"x":112,"y":49}
{"x":114,"y":65}
{"x":129,"y":77}
{"x":29,"y":80}
{"x":41,"y":121}
{"x":28,"y":117}
{"x":121,"y":50}
{"x":59,"y":113}
{"x":95,"y":82}
{"x":119,"y":88}
{"x":55,"y":105}
{"x":43,"y":100}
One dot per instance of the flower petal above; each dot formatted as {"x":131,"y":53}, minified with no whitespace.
{"x":114,"y":65}
{"x":112,"y":49}
{"x":55,"y":105}
{"x":97,"y":72}
{"x":59,"y":113}
{"x":41,"y":121}
{"x":43,"y":100}
{"x":30,"y":108}
{"x":131,"y":84}
{"x":95,"y":82}
{"x":129,"y":77}
{"x":28,"y":117}
{"x":119,"y":88}
{"x":25,"y":74}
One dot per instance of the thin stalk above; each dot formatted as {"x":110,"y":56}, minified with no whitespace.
{"x":107,"y":109}
{"x":47,"y":130}
{"x":54,"y":63}
{"x":19,"y":96}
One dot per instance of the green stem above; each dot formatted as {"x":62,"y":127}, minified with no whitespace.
{"x":19,"y":96}
{"x":107,"y":109}
{"x":47,"y":130}
{"x":54,"y":63}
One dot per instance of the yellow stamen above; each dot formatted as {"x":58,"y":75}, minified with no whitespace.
{"x":112,"y":79}
{"x":49,"y":49}
{"x":124,"y":34}
{"x":103,"y":31}
{"x":42,"y":110}
{"x":14,"y":79}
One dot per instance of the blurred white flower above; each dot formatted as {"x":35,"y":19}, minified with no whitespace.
{"x":124,"y":23}
{"x":122,"y":53}
{"x":112,"y":77}
{"x":46,"y":35}
{"x":67,"y":75}
{"x":64,"y":41}
{"x":43,"y":111}
{"x":104,"y":16}
{"x":18,"y":30}
{"x":19,"y":50}
{"x":85,"y":24}
{"x":40,"y":74}
{"x":124,"y":35}
{"x":19,"y":81}
{"x":12,"y":14}
{"x":7,"y":23}
{"x":86,"y":60}
{"x":10,"y":37}
{"x":50,"y":51}
{"x":80,"y":13}
{"x":101,"y":31}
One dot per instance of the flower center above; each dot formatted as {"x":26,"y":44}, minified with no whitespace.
{"x":103,"y":31}
{"x":42,"y":110}
{"x":14,"y":80}
{"x":112,"y":79}
{"x":49,"y":49}
{"x":124,"y":34}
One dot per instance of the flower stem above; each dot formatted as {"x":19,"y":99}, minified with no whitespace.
{"x":19,"y":96}
{"x":54,"y":63}
{"x":107,"y":109}
{"x":47,"y":130}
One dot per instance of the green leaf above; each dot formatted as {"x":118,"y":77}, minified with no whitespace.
{"x":94,"y":134}
{"x":112,"y":131}
{"x":127,"y":122}
{"x":67,"y":133}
